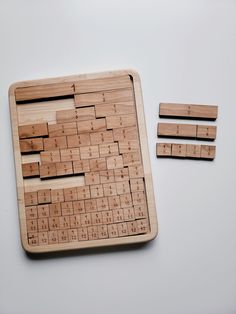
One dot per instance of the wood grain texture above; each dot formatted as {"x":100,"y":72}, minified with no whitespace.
{"x":171,"y":110}
{"x":43,"y":232}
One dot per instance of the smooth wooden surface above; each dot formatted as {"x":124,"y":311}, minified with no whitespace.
{"x":71,"y":147}
{"x":180,"y":150}
{"x":171,"y":110}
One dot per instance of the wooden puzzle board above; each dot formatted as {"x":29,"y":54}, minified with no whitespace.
{"x":82,"y":162}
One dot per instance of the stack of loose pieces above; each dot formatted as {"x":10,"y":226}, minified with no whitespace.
{"x":187,"y":131}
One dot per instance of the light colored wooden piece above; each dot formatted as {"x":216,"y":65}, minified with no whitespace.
{"x":33,"y":130}
{"x":107,"y":176}
{"x":208,"y":152}
{"x":114,"y":162}
{"x":132,"y":159}
{"x":176,"y":130}
{"x":178,"y":150}
{"x":91,"y":125}
{"x":70,"y":154}
{"x":92,"y":178}
{"x":125,"y":200}
{"x":62,"y":241}
{"x":90,"y":206}
{"x":44,"y":196}
{"x":89,"y":152}
{"x":109,"y":189}
{"x":64,"y":168}
{"x":31,"y":212}
{"x":101,"y":137}
{"x":122,"y":121}
{"x":31,"y":198}
{"x":102,"y":232}
{"x":30,"y":169}
{"x":70,"y":194}
{"x":128,"y":213}
{"x":123,"y":187}
{"x":137,"y":185}
{"x":128,"y":146}
{"x":206,"y":132}
{"x":44,"y":91}
{"x":114,"y":202}
{"x":31,"y":145}
{"x":61,"y":129}
{"x":208,"y":112}
{"x":105,"y":97}
{"x":140,"y":211}
{"x":57,"y":195}
{"x":83,"y":192}
{"x":136,"y":171}
{"x":193,"y":151}
{"x":113,"y":109}
{"x":48,"y":171}
{"x":96,"y":190}
{"x":79,"y":207}
{"x":74,"y":141}
{"x":122,"y":229}
{"x":80,"y":114}
{"x":110,"y":149}
{"x":107,"y":217}
{"x":163,"y":149}
{"x":125,"y":134}
{"x":121,"y":174}
{"x":54,"y":143}
{"x":50,"y":156}
{"x":103,"y":84}
{"x":102,"y":203}
{"x":66,"y":209}
{"x":55,"y":211}
{"x":98,"y":164}
{"x":81,"y":166}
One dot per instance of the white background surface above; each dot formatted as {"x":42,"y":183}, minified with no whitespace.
{"x":184,"y":51}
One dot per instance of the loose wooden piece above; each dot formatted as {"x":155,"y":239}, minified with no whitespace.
{"x":92,"y":187}
{"x":176,"y":130}
{"x":170,"y":110}
{"x":185,"y":151}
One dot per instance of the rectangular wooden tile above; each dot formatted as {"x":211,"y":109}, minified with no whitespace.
{"x":33,"y":239}
{"x":83,"y":192}
{"x":142,"y":226}
{"x":31,"y":198}
{"x":112,"y":231}
{"x":81,"y":166}
{"x":102,"y":203}
{"x":50,"y":156}
{"x":132,"y":227}
{"x":33,"y":130}
{"x":52,"y":237}
{"x":89,"y":152}
{"x":206,"y":132}
{"x":80,"y":114}
{"x":31,"y":145}
{"x":98,"y":164}
{"x":122,"y":229}
{"x":128,"y":146}
{"x":125,"y":134}
{"x":83,"y":234}
{"x":123,"y":187}
{"x":112,"y":109}
{"x":43,"y":238}
{"x":115,"y":162}
{"x":132,"y":159}
{"x":85,"y":220}
{"x":93,"y":233}
{"x":104,"y":97}
{"x":128,"y":213}
{"x":207,"y":112}
{"x":64,"y":222}
{"x":61,"y":129}
{"x":208,"y":152}
{"x":163,"y":149}
{"x":43,"y":211}
{"x":118,"y":215}
{"x":107,"y":176}
{"x":67,"y":208}
{"x":121,"y":174}
{"x":110,"y":149}
{"x":94,"y":125}
{"x":48,"y":171}
{"x":102,"y":232}
{"x":140,"y":211}
{"x":137,"y":184}
{"x":92,"y":177}
{"x":70,"y":154}
{"x":193,"y":151}
{"x":44,"y":196}
{"x":55,"y":143}
{"x":107,"y":217}
{"x":31,"y":212}
{"x":75,"y":221}
{"x":90,"y":205}
{"x":176,"y":130}
{"x":64,"y":168}
{"x":136,"y":171}
{"x":53,"y":223}
{"x":109,"y":189}
{"x":102,"y":84}
{"x":55,"y":209}
{"x":30,"y":169}
{"x":32,"y":225}
{"x":71,"y":194}
{"x":44,"y":91}
{"x":96,"y":190}
{"x":73,"y":235}
{"x":78,"y":140}
{"x":43,"y":224}
{"x":121,"y":121}
{"x":178,"y":150}
{"x":79,"y":207}
{"x":114,"y":202}
{"x":138,"y":198}
{"x":63,"y":236}
{"x":101,"y":137}
{"x":126,"y":200}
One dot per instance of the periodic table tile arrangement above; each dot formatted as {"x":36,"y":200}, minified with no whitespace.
{"x":82,"y":162}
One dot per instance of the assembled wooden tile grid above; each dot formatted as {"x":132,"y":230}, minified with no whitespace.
{"x":187,"y":131}
{"x":82,"y":162}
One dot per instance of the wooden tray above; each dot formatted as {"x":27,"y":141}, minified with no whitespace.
{"x":82,"y":162}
